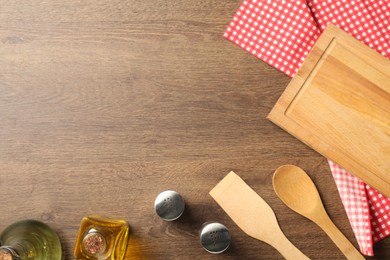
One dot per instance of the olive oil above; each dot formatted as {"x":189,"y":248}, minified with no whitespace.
{"x":30,"y":240}
{"x":101,"y":239}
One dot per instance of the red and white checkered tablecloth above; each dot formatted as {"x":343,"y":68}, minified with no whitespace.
{"x":282,"y":33}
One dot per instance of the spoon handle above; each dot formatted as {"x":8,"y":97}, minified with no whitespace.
{"x":337,"y":237}
{"x":286,"y":248}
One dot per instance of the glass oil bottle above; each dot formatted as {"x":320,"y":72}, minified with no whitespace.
{"x":30,"y":240}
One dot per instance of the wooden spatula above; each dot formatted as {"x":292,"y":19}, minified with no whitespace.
{"x":252,"y":214}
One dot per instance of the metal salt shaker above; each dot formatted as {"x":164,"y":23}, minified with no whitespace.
{"x":169,"y":205}
{"x":214,"y":237}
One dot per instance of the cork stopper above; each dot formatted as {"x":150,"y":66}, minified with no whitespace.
{"x":94,"y":244}
{"x":5,"y":254}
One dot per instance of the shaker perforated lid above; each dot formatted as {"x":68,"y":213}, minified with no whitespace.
{"x":214,"y":237}
{"x":169,"y":205}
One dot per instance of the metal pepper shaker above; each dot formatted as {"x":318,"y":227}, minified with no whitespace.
{"x":169,"y":205}
{"x":214,"y":237}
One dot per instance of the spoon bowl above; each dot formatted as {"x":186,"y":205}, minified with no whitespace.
{"x":295,"y":188}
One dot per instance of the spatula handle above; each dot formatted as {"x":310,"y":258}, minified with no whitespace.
{"x":287,"y":249}
{"x":338,"y":238}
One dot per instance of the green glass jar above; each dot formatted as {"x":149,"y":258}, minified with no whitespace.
{"x":30,"y":240}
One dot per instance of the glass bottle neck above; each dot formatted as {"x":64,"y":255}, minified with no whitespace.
{"x":8,"y":253}
{"x":20,"y":249}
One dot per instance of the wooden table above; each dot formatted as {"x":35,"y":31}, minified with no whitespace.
{"x":104,"y":104}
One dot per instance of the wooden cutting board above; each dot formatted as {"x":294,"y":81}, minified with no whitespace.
{"x":339,"y":104}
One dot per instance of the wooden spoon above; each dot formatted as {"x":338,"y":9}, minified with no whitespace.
{"x":252,"y":214}
{"x":295,"y":188}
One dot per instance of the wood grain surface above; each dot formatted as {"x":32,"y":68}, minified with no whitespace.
{"x":104,"y":104}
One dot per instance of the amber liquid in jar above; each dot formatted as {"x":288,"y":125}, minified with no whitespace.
{"x":101,"y":239}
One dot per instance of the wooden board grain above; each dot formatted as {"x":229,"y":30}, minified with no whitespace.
{"x":339,"y":104}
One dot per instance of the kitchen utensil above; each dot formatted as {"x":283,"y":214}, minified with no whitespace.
{"x":339,"y":104}
{"x":252,"y":214}
{"x":295,"y":188}
{"x":214,"y":237}
{"x":169,"y":205}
